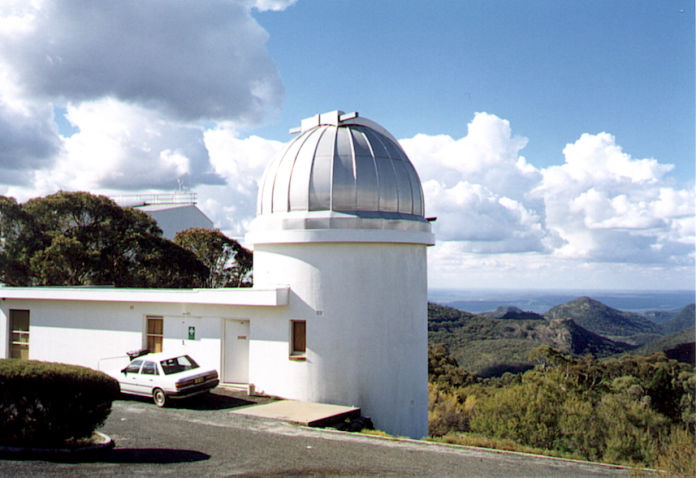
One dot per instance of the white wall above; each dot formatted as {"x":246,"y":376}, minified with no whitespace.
{"x":366,"y":310}
{"x":98,"y":334}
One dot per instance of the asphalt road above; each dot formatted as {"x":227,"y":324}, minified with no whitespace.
{"x":204,"y":439}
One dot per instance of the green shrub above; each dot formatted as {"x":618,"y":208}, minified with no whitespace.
{"x":444,"y":412}
{"x":678,"y":459}
{"x":45,"y":403}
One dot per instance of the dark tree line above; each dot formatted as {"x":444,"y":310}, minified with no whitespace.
{"x":69,"y":239}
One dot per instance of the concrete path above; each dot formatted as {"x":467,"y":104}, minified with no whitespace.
{"x":303,"y":413}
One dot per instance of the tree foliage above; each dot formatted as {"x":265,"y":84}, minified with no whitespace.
{"x":229,"y":263}
{"x":82,"y":239}
{"x":19,"y":240}
{"x":635,"y":410}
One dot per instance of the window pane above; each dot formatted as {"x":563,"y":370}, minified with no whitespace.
{"x":134,"y":366}
{"x":154,"y":343}
{"x":19,"y":320}
{"x":155,"y":326}
{"x":19,"y":334}
{"x":299,"y":331}
{"x":19,"y":351}
{"x":178,"y":364}
{"x":149,"y":368}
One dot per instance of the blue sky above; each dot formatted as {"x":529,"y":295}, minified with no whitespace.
{"x":553,"y":69}
{"x":554,"y":140}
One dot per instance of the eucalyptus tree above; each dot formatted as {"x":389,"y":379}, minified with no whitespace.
{"x":77,"y":238}
{"x":229,"y":263}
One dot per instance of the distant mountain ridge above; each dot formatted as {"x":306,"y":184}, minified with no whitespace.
{"x":540,"y":301}
{"x":499,"y":341}
{"x":606,"y":321}
{"x":482,"y":343}
{"x":510,"y":312}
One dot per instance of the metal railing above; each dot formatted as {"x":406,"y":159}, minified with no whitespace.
{"x":179,"y":197}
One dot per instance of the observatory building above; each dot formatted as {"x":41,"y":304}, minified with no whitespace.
{"x":338,"y":311}
{"x":340,"y":220}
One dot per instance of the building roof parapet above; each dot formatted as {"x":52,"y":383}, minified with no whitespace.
{"x":142,"y":199}
{"x":271,"y":296}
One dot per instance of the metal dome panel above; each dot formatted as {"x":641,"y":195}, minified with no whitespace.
{"x":345,"y":164}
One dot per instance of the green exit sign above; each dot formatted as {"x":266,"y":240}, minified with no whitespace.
{"x":192,"y":333}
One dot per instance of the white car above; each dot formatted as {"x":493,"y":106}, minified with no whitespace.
{"x":163,"y":376}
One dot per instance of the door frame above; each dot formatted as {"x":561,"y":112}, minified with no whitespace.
{"x":223,"y":346}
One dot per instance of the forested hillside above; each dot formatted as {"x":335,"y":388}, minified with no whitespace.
{"x":629,"y":410}
{"x":606,"y":321}
{"x":495,"y":342}
{"x":671,"y":345}
{"x":523,"y":381}
{"x":491,"y":346}
{"x":681,"y":320}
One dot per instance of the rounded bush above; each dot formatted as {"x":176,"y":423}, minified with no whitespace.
{"x":46,"y":403}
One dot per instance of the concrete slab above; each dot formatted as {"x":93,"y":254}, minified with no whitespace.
{"x":303,"y":413}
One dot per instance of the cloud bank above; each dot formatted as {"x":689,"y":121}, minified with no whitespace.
{"x":599,"y":212}
{"x":599,"y":205}
{"x":140,"y":82}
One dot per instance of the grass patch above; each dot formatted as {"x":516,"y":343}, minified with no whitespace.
{"x":380,"y":433}
{"x":377,"y":433}
{"x":473,"y":439}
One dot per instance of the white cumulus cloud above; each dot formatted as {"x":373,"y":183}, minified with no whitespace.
{"x":609,"y":206}
{"x":191,"y":60}
{"x":600,"y":208}
{"x":127,"y":147}
{"x":141,"y":81}
{"x":241,"y":162}
{"x":478,"y":187}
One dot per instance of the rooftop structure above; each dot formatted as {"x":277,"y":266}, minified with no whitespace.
{"x":173,"y":212}
{"x":342,"y":171}
{"x":148,"y":199}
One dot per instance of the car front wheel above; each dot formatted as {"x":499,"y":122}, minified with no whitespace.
{"x":159,"y":397}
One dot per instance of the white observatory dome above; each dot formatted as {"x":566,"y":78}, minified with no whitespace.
{"x":342,"y":171}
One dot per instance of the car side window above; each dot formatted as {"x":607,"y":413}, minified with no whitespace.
{"x":134,"y":366}
{"x":149,"y":368}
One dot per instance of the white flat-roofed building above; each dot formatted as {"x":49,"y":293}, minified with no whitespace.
{"x":338,"y":311}
{"x":174,"y":212}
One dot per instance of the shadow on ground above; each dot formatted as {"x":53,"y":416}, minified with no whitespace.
{"x":114,"y":455}
{"x":210,"y":401}
{"x":151,"y":455}
{"x":216,"y":400}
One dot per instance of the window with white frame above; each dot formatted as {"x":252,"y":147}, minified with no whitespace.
{"x":19,"y":334}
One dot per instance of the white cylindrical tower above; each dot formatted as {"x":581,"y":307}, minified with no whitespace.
{"x":341,"y":221}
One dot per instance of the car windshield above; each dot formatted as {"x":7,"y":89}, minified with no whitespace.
{"x":178,"y":364}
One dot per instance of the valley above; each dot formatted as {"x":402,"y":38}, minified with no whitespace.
{"x":491,"y":343}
